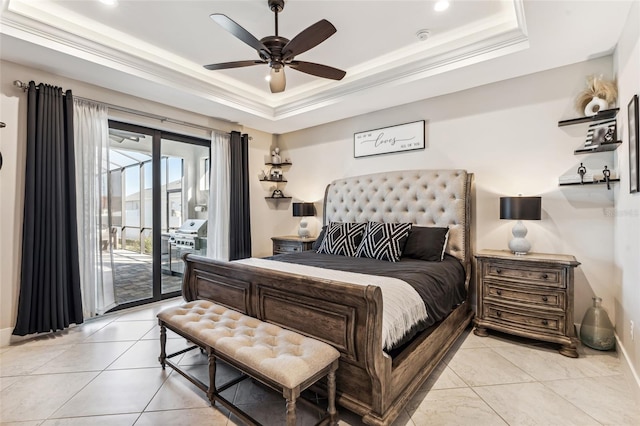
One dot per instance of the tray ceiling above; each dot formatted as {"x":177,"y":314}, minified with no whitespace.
{"x":156,"y":49}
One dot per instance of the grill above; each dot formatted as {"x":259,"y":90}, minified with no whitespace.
{"x":192,"y":235}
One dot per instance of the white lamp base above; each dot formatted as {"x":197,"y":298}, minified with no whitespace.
{"x":519,"y":245}
{"x":303,"y":232}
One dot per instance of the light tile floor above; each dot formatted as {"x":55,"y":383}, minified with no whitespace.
{"x":105,"y":372}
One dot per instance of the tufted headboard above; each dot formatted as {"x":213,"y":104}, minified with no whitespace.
{"x":422,"y":197}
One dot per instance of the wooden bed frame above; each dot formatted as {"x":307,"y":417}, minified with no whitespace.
{"x":348,"y":316}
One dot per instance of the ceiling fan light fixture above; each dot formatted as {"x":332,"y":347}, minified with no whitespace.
{"x":277,"y":80}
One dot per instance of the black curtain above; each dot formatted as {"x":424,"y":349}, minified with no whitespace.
{"x":50,"y":296}
{"x":240,"y":221}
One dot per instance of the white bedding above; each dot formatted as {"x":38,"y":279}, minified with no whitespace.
{"x":402,"y":307}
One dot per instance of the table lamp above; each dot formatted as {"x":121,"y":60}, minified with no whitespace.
{"x":303,"y":210}
{"x":520,"y":208}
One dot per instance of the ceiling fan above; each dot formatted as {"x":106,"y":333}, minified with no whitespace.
{"x":277,"y":51}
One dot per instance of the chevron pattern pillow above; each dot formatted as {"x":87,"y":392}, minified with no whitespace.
{"x":342,"y":238}
{"x":384,"y":241}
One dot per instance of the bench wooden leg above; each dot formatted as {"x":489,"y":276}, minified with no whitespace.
{"x":212,"y":377}
{"x":291,"y":409}
{"x":331,"y":394}
{"x":163,"y":345}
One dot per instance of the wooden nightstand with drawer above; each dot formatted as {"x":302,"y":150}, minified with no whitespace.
{"x":529,"y":296}
{"x":291,"y":244}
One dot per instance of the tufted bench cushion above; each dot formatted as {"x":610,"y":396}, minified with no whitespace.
{"x":273,"y":355}
{"x":282,"y":355}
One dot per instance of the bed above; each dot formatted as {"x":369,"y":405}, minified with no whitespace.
{"x":372,"y":381}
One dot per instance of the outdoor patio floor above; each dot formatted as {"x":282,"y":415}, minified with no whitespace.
{"x":133,"y":277}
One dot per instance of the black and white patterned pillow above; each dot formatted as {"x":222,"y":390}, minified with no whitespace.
{"x":384,"y":241}
{"x":342,"y":238}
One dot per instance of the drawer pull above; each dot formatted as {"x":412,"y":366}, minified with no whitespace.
{"x":544,"y":298}
{"x":498,"y":313}
{"x":499,"y":292}
{"x":498,"y":271}
{"x":545,"y":322}
{"x":545,"y":276}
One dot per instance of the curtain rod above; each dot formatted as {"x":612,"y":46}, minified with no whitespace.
{"x":19,"y":84}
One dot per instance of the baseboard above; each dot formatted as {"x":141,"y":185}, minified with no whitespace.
{"x":630,"y":372}
{"x":6,"y":338}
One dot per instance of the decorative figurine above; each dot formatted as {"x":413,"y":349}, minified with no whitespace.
{"x":275,"y":156}
{"x":275,"y":174}
{"x":277,"y":194}
{"x":582,"y":170}
{"x":607,"y":175}
{"x":608,"y":137}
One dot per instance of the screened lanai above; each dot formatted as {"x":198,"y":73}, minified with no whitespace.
{"x":128,"y":210}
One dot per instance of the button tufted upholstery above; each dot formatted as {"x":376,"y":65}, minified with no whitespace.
{"x":281,"y":355}
{"x":421,"y":197}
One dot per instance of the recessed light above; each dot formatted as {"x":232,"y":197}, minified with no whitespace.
{"x":109,"y":2}
{"x":441,"y":5}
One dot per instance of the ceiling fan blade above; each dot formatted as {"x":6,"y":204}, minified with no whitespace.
{"x":242,"y":34}
{"x":318,"y":70}
{"x":308,"y":38}
{"x":235,"y":64}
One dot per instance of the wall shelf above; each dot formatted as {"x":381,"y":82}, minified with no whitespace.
{"x":277,"y":198}
{"x":601,"y":115}
{"x":603,"y":147}
{"x":279,"y":164}
{"x":595,"y":182}
{"x":273,"y":180}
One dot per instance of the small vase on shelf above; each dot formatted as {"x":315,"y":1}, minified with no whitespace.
{"x":596,"y":330}
{"x":595,"y":105}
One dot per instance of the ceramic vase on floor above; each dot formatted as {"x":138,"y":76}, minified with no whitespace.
{"x":596,"y":330}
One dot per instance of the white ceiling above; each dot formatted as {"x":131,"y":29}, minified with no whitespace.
{"x":156,"y":49}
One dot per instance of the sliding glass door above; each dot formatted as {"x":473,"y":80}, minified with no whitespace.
{"x":155,"y":187}
{"x":185,"y":193}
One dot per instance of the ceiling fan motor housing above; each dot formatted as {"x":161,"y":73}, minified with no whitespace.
{"x":276,"y":5}
{"x":275,"y":45}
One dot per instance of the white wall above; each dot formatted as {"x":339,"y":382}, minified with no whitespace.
{"x":13,"y":104}
{"x":627,"y":206}
{"x":507,"y":134}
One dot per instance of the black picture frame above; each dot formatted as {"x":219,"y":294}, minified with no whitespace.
{"x":634,"y":147}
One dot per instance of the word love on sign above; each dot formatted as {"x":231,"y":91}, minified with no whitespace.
{"x":403,"y":137}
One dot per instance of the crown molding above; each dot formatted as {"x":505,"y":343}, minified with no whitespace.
{"x":503,"y":35}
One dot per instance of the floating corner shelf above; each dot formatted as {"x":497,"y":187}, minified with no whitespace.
{"x":603,"y":147}
{"x":277,"y":198}
{"x":601,"y":115}
{"x":284,"y":163}
{"x":595,"y":182}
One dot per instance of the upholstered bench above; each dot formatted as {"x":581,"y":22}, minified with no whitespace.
{"x":281,"y":359}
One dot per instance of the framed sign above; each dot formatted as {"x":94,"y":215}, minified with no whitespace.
{"x":634,"y":156}
{"x":403,"y":137}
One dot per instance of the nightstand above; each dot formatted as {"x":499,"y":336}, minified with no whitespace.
{"x":291,"y":244}
{"x":529,"y":296}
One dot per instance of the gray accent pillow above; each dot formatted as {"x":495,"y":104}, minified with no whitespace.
{"x":316,"y":244}
{"x":426,"y":243}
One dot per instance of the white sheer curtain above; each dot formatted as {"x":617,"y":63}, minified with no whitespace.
{"x":91,"y":133}
{"x":218,"y":221}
